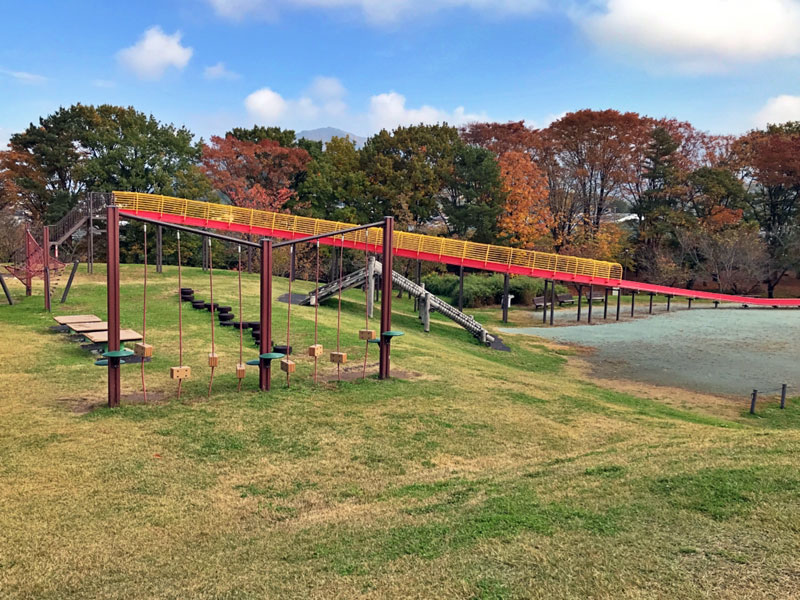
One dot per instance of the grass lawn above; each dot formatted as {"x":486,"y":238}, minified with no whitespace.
{"x":477,"y":474}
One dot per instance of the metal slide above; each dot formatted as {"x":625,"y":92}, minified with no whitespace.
{"x":359,"y":277}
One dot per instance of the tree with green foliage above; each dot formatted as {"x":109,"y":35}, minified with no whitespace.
{"x":334,"y":186}
{"x":472,"y":196}
{"x":44,"y":162}
{"x":661,"y":178}
{"x":105,"y":148}
{"x":406,"y":170}
{"x":128,"y":150}
{"x":257,"y":133}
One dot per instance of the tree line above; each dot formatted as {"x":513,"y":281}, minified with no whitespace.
{"x":673,"y":204}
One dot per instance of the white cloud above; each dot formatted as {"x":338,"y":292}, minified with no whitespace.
{"x":154,"y":53}
{"x":103,"y":83}
{"x":778,"y":110}
{"x":697,"y":35}
{"x":324,"y":98}
{"x":330,"y":93}
{"x":323,"y":104}
{"x":389,"y":110}
{"x":219,"y":71}
{"x":266,"y":105}
{"x":23,"y":77}
{"x":378,"y":11}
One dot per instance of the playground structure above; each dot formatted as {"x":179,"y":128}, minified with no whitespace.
{"x":187,"y":215}
{"x":370,"y":235}
{"x":580,"y":272}
{"x":33,"y":261}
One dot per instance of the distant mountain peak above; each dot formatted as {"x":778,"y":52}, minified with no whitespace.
{"x":324,"y":135}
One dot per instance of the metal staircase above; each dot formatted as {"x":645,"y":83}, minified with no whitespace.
{"x":91,"y":207}
{"x":329,"y":289}
{"x":433,"y":302}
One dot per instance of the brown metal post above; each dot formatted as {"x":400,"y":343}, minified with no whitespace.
{"x":544,"y":304}
{"x":580,"y":298}
{"x":112,"y":295}
{"x":90,"y":236}
{"x":386,"y":296}
{"x":605,"y":304}
{"x":619,"y":299}
{"x":159,"y":249}
{"x":651,"y":304}
{"x":505,"y":297}
{"x":46,"y":261}
{"x":553,"y":298}
{"x":633,"y":302}
{"x":589,"y":311}
{"x":265,"y":346}
{"x":28,"y":273}
{"x":461,"y":288}
{"x":418,"y":281}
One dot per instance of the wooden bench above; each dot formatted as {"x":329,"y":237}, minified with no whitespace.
{"x":595,"y":297}
{"x":540,"y":302}
{"x":565,"y":299}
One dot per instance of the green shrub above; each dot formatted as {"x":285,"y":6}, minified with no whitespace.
{"x":486,"y":290}
{"x":480,"y":290}
{"x":525,"y":289}
{"x":441,"y":284}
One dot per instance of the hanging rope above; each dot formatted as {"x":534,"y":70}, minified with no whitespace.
{"x":213,"y":356}
{"x":316,"y":314}
{"x":366,"y":300}
{"x":289,"y":311}
{"x":339,"y":311}
{"x":241,"y":334}
{"x":180,"y":316}
{"x":144,"y":313}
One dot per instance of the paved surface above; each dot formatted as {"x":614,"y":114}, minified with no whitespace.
{"x":722,"y":351}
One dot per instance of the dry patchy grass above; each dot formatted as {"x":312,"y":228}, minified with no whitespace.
{"x":488,"y":475}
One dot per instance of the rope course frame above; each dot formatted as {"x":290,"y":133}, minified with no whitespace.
{"x":183,"y":372}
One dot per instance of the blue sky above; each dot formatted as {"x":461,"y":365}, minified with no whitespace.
{"x":724,"y":65}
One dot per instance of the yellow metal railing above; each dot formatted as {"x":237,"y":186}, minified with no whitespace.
{"x":411,"y":242}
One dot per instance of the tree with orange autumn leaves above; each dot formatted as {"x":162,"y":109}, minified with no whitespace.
{"x":253,"y":174}
{"x":526,"y":218}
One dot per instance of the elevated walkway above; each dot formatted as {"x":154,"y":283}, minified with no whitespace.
{"x":405,"y":244}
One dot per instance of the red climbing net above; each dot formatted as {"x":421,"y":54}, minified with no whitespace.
{"x":31,"y":263}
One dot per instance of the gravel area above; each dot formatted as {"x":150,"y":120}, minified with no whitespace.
{"x":727,"y":351}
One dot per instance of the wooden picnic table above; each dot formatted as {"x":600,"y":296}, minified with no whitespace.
{"x":101,"y":337}
{"x":67,"y":319}
{"x":86,"y":327}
